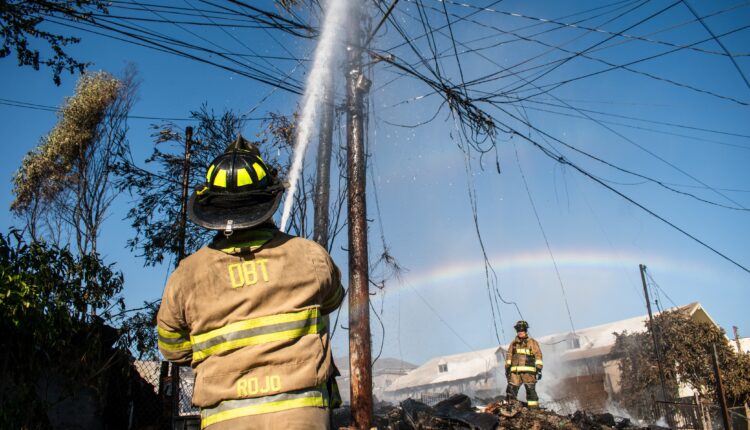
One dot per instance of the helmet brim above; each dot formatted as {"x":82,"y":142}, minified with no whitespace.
{"x":241,"y":215}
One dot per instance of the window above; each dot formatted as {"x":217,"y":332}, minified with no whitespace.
{"x":442,"y":368}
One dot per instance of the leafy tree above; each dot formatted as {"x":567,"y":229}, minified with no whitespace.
{"x":686,"y":350}
{"x":64,"y":184}
{"x":158,"y":191}
{"x":44,"y":293}
{"x":20,"y":23}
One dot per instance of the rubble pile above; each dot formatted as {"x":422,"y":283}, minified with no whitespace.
{"x":457,"y":412}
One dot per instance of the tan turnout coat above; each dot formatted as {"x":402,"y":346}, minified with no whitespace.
{"x":250,"y":315}
{"x":524,"y":356}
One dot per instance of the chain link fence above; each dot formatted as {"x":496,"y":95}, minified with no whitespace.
{"x":702,"y":416}
{"x":146,"y":411}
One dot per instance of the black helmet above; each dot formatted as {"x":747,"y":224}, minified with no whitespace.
{"x":241,"y":191}
{"x":521,"y":326}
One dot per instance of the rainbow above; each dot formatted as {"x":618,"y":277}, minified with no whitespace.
{"x":540,"y":260}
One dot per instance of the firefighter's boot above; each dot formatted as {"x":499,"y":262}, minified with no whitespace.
{"x":532,"y":398}
{"x":511,"y":392}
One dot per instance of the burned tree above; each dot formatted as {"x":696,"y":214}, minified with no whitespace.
{"x":686,"y":351}
{"x":63,"y":188}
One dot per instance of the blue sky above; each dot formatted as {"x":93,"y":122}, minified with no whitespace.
{"x":440,"y":304}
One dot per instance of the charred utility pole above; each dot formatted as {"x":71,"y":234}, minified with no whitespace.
{"x":720,"y":391}
{"x":657,"y":351}
{"x":360,"y":355}
{"x":323,"y":174}
{"x":175,"y":370}
{"x":184,"y":200}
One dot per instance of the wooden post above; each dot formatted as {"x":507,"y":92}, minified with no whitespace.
{"x":360,"y":354}
{"x":656,"y":344}
{"x":720,"y":392}
{"x":184,"y":200}
{"x":323,"y":173}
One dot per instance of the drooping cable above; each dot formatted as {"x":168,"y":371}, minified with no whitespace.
{"x":546,"y":240}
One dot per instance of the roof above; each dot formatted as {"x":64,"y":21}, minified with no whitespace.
{"x":744,"y":344}
{"x":594,"y":341}
{"x":464,"y":366}
{"x":599,"y":340}
{"x":384,"y":365}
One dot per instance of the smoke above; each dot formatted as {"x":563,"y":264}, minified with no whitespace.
{"x":334,"y":24}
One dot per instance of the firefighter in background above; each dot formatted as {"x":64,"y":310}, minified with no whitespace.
{"x":249,"y":312}
{"x":523,"y":365}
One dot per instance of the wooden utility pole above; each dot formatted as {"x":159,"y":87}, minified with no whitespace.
{"x":184,"y":200}
{"x":657,"y":351}
{"x":323,"y":174}
{"x":360,"y":355}
{"x":720,"y":392}
{"x":175,"y":371}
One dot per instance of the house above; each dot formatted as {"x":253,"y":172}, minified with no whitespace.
{"x":578,"y":371}
{"x":477,"y":373}
{"x":384,"y":372}
{"x":743,"y":343}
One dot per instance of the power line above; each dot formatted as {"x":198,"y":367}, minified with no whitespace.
{"x":718,"y":41}
{"x":46,"y":108}
{"x":630,"y":172}
{"x":565,"y":161}
{"x":546,"y":241}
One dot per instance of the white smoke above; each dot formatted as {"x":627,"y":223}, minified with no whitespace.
{"x":334,"y":25}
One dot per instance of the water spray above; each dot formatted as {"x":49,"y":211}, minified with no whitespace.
{"x":325,"y":57}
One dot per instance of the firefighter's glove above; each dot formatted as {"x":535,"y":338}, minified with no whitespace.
{"x":539,"y":374}
{"x":507,"y":372}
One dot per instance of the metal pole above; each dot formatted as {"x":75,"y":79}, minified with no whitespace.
{"x":737,"y":339}
{"x":184,"y":200}
{"x":359,"y":298}
{"x":720,"y":392}
{"x":653,"y":337}
{"x":175,"y":395}
{"x":323,"y":176}
{"x":165,"y":394}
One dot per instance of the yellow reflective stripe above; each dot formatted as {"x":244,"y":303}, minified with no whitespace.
{"x":172,"y":340}
{"x":508,"y":362}
{"x":208,"y":175}
{"x":533,"y":403}
{"x":243,"y":177}
{"x":257,"y":340}
{"x":257,"y":322}
{"x":237,"y":248}
{"x":170,"y":334}
{"x":523,"y":369}
{"x":264,"y":408}
{"x":221,"y":179}
{"x":539,"y":363}
{"x":259,"y":171}
{"x":524,"y":351}
{"x":175,"y":346}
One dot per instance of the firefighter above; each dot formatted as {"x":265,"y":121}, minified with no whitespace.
{"x":523,"y":365}
{"x":249,"y":311}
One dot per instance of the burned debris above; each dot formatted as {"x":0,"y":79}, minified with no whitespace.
{"x":458,"y":412}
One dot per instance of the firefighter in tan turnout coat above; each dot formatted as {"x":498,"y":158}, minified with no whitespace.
{"x":249,"y":312}
{"x":523,"y":365}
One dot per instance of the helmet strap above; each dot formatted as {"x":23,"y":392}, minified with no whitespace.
{"x":228,"y":230}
